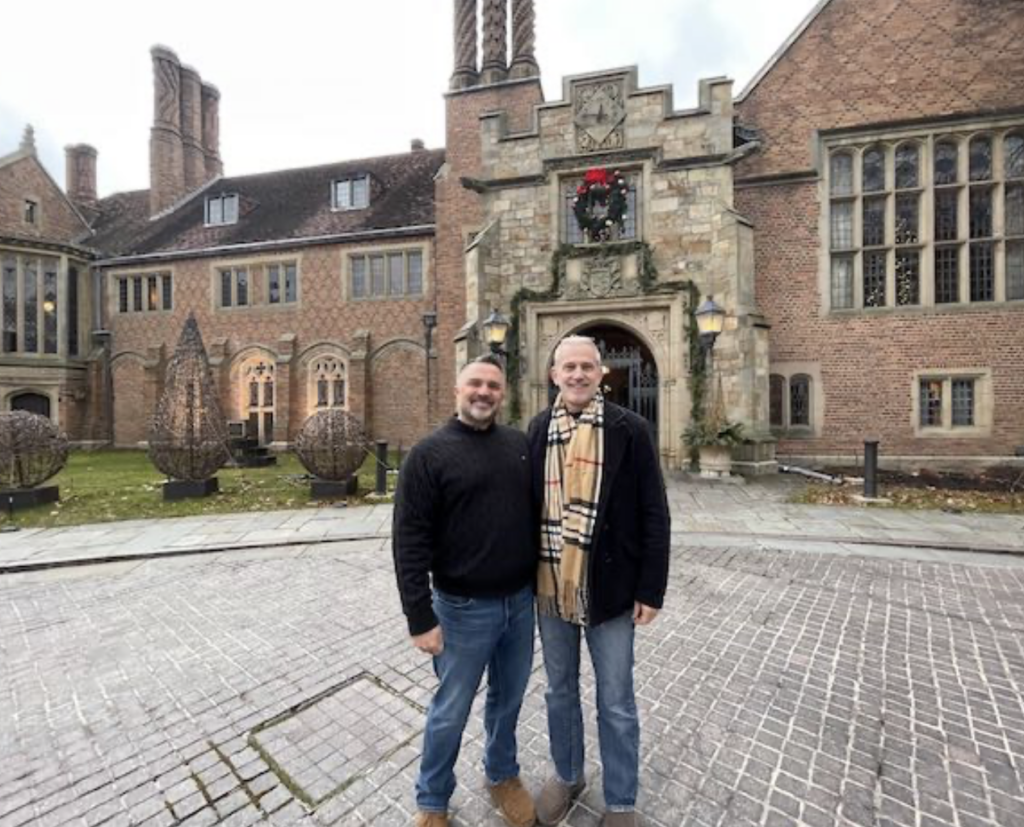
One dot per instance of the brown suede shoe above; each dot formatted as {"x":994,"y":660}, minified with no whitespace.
{"x":630,"y":819}
{"x":514,"y":803}
{"x":556,"y":799}
{"x":425,"y":819}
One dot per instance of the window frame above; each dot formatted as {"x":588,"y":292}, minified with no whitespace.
{"x":385,"y":255}
{"x":122,"y":292}
{"x":987,"y":264}
{"x":791,"y":374}
{"x":568,"y":229}
{"x":257,"y":284}
{"x":349,"y":185}
{"x":982,"y":403}
{"x":221,"y":200}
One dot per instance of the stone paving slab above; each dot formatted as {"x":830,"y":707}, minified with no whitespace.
{"x":778,"y":687}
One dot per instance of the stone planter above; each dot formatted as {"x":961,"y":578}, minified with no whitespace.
{"x":715,"y":461}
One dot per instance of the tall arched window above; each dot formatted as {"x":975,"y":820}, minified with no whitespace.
{"x":257,"y":399}
{"x":776,"y":400}
{"x":800,"y":401}
{"x":327,"y":385}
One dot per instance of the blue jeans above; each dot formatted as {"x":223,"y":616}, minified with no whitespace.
{"x":492,"y":634}
{"x":618,"y":725}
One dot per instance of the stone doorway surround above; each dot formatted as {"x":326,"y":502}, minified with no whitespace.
{"x":659,"y":322}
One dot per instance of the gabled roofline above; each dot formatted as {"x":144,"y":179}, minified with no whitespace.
{"x":775,"y":58}
{"x":21,"y":154}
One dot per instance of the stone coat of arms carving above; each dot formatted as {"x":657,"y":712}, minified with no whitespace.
{"x":599,"y":113}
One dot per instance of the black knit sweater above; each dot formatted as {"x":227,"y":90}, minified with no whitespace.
{"x":464,"y":514}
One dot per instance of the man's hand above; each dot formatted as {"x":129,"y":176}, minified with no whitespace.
{"x":642,"y":614}
{"x":432,"y":642}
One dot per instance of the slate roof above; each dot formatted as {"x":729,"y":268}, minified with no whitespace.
{"x":274,"y":206}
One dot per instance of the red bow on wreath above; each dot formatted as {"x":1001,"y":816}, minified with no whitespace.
{"x":598,"y":176}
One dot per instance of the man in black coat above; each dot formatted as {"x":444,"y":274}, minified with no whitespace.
{"x":603,"y":571}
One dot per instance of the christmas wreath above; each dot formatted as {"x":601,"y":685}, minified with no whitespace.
{"x":600,"y":203}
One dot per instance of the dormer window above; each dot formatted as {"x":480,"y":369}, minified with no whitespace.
{"x":351,"y":193}
{"x":221,"y":209}
{"x":31,"y":211}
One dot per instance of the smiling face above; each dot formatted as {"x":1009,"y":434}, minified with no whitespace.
{"x":479,"y":391}
{"x":577,"y":372}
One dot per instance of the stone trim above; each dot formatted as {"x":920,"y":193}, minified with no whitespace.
{"x":984,"y":403}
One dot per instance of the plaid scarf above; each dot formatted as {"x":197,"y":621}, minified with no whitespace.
{"x":573,"y":466}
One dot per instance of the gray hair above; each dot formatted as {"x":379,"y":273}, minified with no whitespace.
{"x":576,"y":340}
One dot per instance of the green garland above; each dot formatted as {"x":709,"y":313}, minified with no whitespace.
{"x":698,"y":367}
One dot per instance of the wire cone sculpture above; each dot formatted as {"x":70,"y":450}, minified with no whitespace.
{"x":331,"y":445}
{"x":188,"y":436}
{"x":31,"y":449}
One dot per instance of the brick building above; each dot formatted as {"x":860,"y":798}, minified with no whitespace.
{"x":858,"y":210}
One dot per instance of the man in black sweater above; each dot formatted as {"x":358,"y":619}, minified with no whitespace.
{"x":464,"y":518}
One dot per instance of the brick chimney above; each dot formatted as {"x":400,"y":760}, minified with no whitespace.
{"x":166,"y":166}
{"x":211,"y":131}
{"x":465,"y":73}
{"x":494,"y":68}
{"x":193,"y":157}
{"x":80,"y":169}
{"x":524,"y":63}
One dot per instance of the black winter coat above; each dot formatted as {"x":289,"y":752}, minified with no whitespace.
{"x":629,"y":560}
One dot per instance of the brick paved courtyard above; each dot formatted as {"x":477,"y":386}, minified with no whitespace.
{"x":777,"y":688}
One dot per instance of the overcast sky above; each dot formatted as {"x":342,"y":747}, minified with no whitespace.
{"x":304,"y":83}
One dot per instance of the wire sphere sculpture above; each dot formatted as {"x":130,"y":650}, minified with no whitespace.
{"x":31,"y":449}
{"x":188,"y":438}
{"x":331,"y":445}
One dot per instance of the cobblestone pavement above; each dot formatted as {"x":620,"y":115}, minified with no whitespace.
{"x":278,"y":686}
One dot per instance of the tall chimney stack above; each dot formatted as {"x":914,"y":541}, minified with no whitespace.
{"x":193,"y":156}
{"x":524,"y":63}
{"x":166,"y":168}
{"x":494,"y":67}
{"x":465,"y":73}
{"x":211,"y":130}
{"x":80,"y":168}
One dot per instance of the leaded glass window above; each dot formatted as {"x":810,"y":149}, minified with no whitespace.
{"x":10,"y":306}
{"x":30,"y":304}
{"x":122,"y":295}
{"x":980,"y":159}
{"x":907,"y":163}
{"x":982,"y":272}
{"x":841,"y":174}
{"x":946,"y":215}
{"x":1013,"y":211}
{"x":241,"y":287}
{"x":908,"y":218}
{"x":963,"y":402}
{"x":842,"y":282}
{"x":327,"y":375}
{"x":291,"y":283}
{"x":225,"y":288}
{"x":396,"y":274}
{"x":930,"y":403}
{"x":776,"y":392}
{"x":972,"y":199}
{"x":800,"y":401}
{"x":947,"y":275}
{"x":873,"y":170}
{"x":378,"y":284}
{"x":874,"y":222}
{"x":168,"y":291}
{"x":571,"y":232}
{"x":842,"y":225}
{"x":274,"y":284}
{"x":1013,"y":156}
{"x":1015,"y":270}
{"x":387,"y":275}
{"x":358,"y":278}
{"x":981,"y":212}
{"x":50,"y":268}
{"x":137,"y":294}
{"x":152,"y":293}
{"x":72,"y":312}
{"x":946,"y":155}
{"x":908,"y":277}
{"x":874,"y":279}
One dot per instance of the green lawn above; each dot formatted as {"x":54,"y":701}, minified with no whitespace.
{"x":101,"y":486}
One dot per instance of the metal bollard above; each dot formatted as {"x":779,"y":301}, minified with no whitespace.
{"x":382,"y":466}
{"x":871,"y":469}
